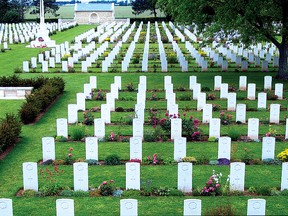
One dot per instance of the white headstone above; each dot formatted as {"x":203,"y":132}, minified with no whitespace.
{"x":262,"y":100}
{"x":133,"y":175}
{"x":268,"y":82}
{"x":242,"y":83}
{"x":80,"y":170}
{"x":224,"y":90}
{"x":201,"y":101}
{"x":253,"y":128}
{"x":241,"y":113}
{"x":179,"y":148}
{"x":72,"y":113}
{"x":99,"y":128}
{"x":80,"y":97}
{"x":268,"y":148}
{"x":93,"y":82}
{"x":284,"y":176}
{"x":196,"y":91}
{"x":185,"y":177}
{"x":192,"y":207}
{"x":244,"y":65}
{"x":6,"y":208}
{"x":231,"y":102}
{"x":214,"y":127}
{"x":26,"y":66}
{"x":275,"y":113}
{"x":207,"y":113}
{"x":136,"y":148}
{"x":48,"y":148}
{"x":105,"y":113}
{"x":91,"y":147}
{"x":167,"y":80}
{"x":251,"y":92}
{"x":256,"y":207}
{"x":217,"y":83}
{"x":224,"y":147}
{"x":64,"y":66}
{"x":176,"y":128}
{"x":279,"y":90}
{"x":237,"y":176}
{"x":137,"y":128}
{"x":30,"y":176}
{"x":45,"y":66}
{"x":87,"y":90}
{"x":62,"y":127}
{"x":264,"y":66}
{"x":192,"y":81}
{"x":128,"y":207}
{"x":117,"y":81}
{"x":64,"y":207}
{"x":286,"y":130}
{"x":52,"y":62}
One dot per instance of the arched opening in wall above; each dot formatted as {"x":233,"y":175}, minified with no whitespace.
{"x":94,"y":18}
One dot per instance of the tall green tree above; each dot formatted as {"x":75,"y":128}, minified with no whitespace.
{"x":140,"y":6}
{"x":4,"y":7}
{"x":253,"y":20}
{"x":50,"y":6}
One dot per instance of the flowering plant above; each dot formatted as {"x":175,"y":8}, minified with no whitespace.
{"x":225,"y":119}
{"x":88,"y":118}
{"x":69,"y":158}
{"x":156,"y":159}
{"x":271,"y":132}
{"x":283,"y":156}
{"x":100,"y":96}
{"x":213,"y":185}
{"x":107,"y":188}
{"x":211,"y":97}
{"x":216,"y":107}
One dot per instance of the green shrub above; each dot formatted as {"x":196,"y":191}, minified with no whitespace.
{"x":234,"y":134}
{"x":130,"y":87}
{"x":61,"y":139}
{"x":263,"y":191}
{"x":175,"y":192}
{"x":113,"y":159}
{"x":161,"y":191}
{"x":92,"y":162}
{"x":80,"y":193}
{"x":10,"y":129}
{"x":107,"y":188}
{"x":131,"y":193}
{"x":284,"y":192}
{"x":203,"y":159}
{"x":66,"y":193}
{"x":77,"y":133}
{"x":49,"y":190}
{"x":189,"y":159}
{"x":29,"y":193}
{"x":28,"y":112}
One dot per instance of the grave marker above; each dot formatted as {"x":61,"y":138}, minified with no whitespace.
{"x":80,"y":170}
{"x":30,"y":176}
{"x":72,"y":113}
{"x":6,"y":208}
{"x":256,"y":207}
{"x":48,"y":148}
{"x":224,"y":147}
{"x":207,"y":113}
{"x":214,"y":127}
{"x":99,"y":128}
{"x":253,"y":128}
{"x":132,"y":175}
{"x":237,"y":176}
{"x":251,"y":92}
{"x":192,"y":207}
{"x":284,"y":176}
{"x":179,"y":148}
{"x":62,"y":127}
{"x":136,"y":148}
{"x":262,"y":100}
{"x":64,"y":207}
{"x":91,"y":147}
{"x":274,"y":113}
{"x":128,"y":207}
{"x":185,"y":177}
{"x":268,"y":148}
{"x":176,"y":128}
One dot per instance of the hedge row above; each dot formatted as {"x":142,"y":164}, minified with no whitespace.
{"x":41,"y":98}
{"x":10,"y":129}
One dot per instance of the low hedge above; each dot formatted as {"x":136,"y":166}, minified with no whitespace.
{"x":40,"y":99}
{"x":10,"y":129}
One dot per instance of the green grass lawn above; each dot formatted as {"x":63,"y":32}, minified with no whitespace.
{"x":29,"y":148}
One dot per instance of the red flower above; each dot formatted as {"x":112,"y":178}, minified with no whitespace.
{"x":104,"y":183}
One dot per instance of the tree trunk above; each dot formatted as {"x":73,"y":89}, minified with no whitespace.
{"x":155,"y":13}
{"x":282,"y":72}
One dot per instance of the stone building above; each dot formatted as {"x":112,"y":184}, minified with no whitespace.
{"x":85,"y":13}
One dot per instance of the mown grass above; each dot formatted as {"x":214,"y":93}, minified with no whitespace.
{"x":29,"y":148}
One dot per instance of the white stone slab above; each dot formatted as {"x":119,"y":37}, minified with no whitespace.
{"x":237,"y":176}
{"x":192,"y":207}
{"x":284,"y":176}
{"x":253,"y":128}
{"x":268,"y":148}
{"x":224,"y":147}
{"x":106,"y":113}
{"x":185,"y":177}
{"x":80,"y":98}
{"x":224,"y":90}
{"x":80,"y":170}
{"x":251,"y":92}
{"x":128,"y":207}
{"x":167,"y":80}
{"x":214,"y":127}
{"x":136,"y":148}
{"x":275,"y":113}
{"x":196,"y":91}
{"x":262,"y":100}
{"x":91,"y":147}
{"x":242,"y":83}
{"x":6,"y":208}
{"x":207,"y":113}
{"x":231,"y":101}
{"x":72,"y":113}
{"x":256,"y":207}
{"x":268,"y":82}
{"x":201,"y":101}
{"x":30,"y":176}
{"x":176,"y":128}
{"x":133,"y":175}
{"x":48,"y":148}
{"x":279,"y":90}
{"x":192,"y":81}
{"x":62,"y":127}
{"x":137,"y":128}
{"x":217,"y":83}
{"x":99,"y":128}
{"x":179,"y":148}
{"x":93,"y":82}
{"x":64,"y":207}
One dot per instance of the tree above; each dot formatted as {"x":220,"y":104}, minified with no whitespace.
{"x":20,"y":7}
{"x":254,"y":21}
{"x":50,"y":6}
{"x":140,"y":6}
{"x":4,"y":7}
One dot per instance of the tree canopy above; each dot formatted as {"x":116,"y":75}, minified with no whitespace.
{"x":49,"y":7}
{"x":253,"y":21}
{"x":140,"y":6}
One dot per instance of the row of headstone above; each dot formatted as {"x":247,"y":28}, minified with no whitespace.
{"x":145,"y":56}
{"x":129,"y":207}
{"x":80,"y":171}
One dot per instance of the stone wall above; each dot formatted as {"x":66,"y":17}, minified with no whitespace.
{"x":84,"y":17}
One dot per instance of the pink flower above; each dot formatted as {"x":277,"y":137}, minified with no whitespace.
{"x":222,"y":113}
{"x":70,"y":155}
{"x":209,"y":182}
{"x":268,"y":134}
{"x":184,"y":114}
{"x":70,"y":149}
{"x":111,"y":180}
{"x":149,"y":158}
{"x":104,"y":183}
{"x":166,"y":114}
{"x":217,"y":185}
{"x":196,"y":121}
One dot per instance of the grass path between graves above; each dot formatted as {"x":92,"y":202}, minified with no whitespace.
{"x":29,"y":149}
